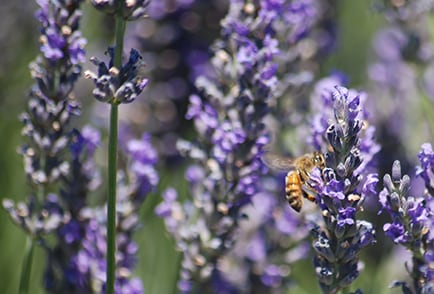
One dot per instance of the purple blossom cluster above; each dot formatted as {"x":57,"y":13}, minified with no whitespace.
{"x":47,"y":122}
{"x":59,"y":163}
{"x":412,"y":220}
{"x":256,"y":260}
{"x":342,"y":186}
{"x":117,"y":86}
{"x":271,"y":239}
{"x":228,"y":114}
{"x":324,"y":98}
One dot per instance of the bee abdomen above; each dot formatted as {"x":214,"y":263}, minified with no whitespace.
{"x":294,"y":190}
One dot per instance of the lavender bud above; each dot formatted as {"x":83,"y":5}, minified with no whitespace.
{"x":324,"y":273}
{"x":387,"y":180}
{"x":396,"y":171}
{"x":322,"y":247}
{"x":404,"y":185}
{"x":366,"y":233}
{"x":329,"y":174}
{"x":333,"y":138}
{"x":341,"y":170}
{"x":353,"y":161}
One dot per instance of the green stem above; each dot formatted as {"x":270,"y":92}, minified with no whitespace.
{"x":112,"y":166}
{"x":27,"y":266}
{"x":120,"y":32}
{"x":111,"y":205}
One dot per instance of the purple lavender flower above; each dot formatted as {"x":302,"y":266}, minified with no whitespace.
{"x":50,"y":109}
{"x":228,"y":114}
{"x":412,"y":219}
{"x":117,"y":86}
{"x":342,"y":187}
{"x":324,"y":100}
{"x":56,"y":155}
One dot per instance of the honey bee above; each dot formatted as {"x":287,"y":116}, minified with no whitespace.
{"x":298,"y":175}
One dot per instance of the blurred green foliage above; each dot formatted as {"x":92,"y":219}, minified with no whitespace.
{"x":158,"y":260}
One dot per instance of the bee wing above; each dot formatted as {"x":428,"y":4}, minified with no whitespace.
{"x":277,"y":162}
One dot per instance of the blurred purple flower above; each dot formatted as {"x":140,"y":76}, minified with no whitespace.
{"x":400,"y":71}
{"x":228,"y":113}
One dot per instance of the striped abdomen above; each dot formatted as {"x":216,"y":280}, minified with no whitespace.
{"x":294,"y":190}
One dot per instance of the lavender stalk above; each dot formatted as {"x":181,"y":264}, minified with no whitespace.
{"x":411,"y":221}
{"x":123,"y":11}
{"x":342,"y":187}
{"x":112,"y":165}
{"x":111,"y":201}
{"x":47,"y":123}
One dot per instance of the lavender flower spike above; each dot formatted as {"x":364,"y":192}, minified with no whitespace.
{"x":47,"y":120}
{"x":228,"y":113}
{"x":47,"y":126}
{"x":341,"y":189}
{"x":412,"y":221}
{"x":116,"y":86}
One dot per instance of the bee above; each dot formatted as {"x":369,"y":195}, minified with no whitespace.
{"x":298,"y":175}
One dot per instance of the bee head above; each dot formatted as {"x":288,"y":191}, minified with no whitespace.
{"x":319,"y":160}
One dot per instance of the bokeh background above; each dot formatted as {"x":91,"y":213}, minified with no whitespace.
{"x":162,"y":115}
